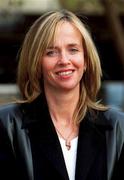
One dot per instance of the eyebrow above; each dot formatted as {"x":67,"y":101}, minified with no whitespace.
{"x":70,"y":45}
{"x":73,"y":44}
{"x":51,"y":47}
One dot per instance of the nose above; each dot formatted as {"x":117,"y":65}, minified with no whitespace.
{"x":64,"y":59}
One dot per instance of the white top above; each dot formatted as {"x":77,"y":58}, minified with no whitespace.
{"x":70,"y":156}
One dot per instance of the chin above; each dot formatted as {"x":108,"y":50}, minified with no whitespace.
{"x":70,"y":88}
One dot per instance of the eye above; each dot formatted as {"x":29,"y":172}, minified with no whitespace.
{"x":51,"y":53}
{"x":73,"y":50}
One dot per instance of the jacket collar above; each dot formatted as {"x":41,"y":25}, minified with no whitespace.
{"x":32,"y":114}
{"x":91,"y":139}
{"x":32,"y":111}
{"x":37,"y":120}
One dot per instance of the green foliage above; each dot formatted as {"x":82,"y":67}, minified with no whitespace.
{"x":69,"y":4}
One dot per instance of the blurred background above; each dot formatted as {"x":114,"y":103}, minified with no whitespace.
{"x":105,"y":20}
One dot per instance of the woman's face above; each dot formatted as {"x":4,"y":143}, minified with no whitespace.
{"x":63,"y":64}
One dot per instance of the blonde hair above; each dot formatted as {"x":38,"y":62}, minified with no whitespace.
{"x":40,"y":35}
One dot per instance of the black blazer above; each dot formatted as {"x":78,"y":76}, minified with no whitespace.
{"x":30,"y":148}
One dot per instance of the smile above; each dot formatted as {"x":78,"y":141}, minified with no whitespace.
{"x":65,"y":73}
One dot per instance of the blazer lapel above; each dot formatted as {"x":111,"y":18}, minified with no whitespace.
{"x":52,"y":150}
{"x":91,"y":150}
{"x":43,"y":136}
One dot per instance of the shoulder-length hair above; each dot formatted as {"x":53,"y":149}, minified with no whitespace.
{"x":39,"y":37}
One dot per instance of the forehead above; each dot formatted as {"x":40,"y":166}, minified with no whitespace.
{"x":66,"y":31}
{"x":64,"y":28}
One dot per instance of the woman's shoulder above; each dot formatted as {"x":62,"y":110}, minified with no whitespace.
{"x":115,"y":117}
{"x":115,"y":114}
{"x":8,"y":108}
{"x":9,"y":111}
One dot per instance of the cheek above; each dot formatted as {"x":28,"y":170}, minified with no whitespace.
{"x":46,"y":65}
{"x":80,"y":63}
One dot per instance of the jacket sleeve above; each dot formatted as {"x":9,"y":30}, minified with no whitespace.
{"x":118,"y":172}
{"x":8,"y":166}
{"x":13,"y":143}
{"x":115,"y":145}
{"x":119,"y":165}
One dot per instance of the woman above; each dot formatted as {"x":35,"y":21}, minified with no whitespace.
{"x":59,"y":130}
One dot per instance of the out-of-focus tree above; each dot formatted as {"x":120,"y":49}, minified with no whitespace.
{"x":115,"y":26}
{"x":112,"y":10}
{"x":87,"y":6}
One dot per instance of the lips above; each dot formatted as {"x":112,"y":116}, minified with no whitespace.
{"x":65,"y":73}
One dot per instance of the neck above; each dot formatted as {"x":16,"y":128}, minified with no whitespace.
{"x":61,"y":108}
{"x":62,"y":105}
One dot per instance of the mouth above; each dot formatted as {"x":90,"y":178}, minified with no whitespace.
{"x":65,"y":73}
